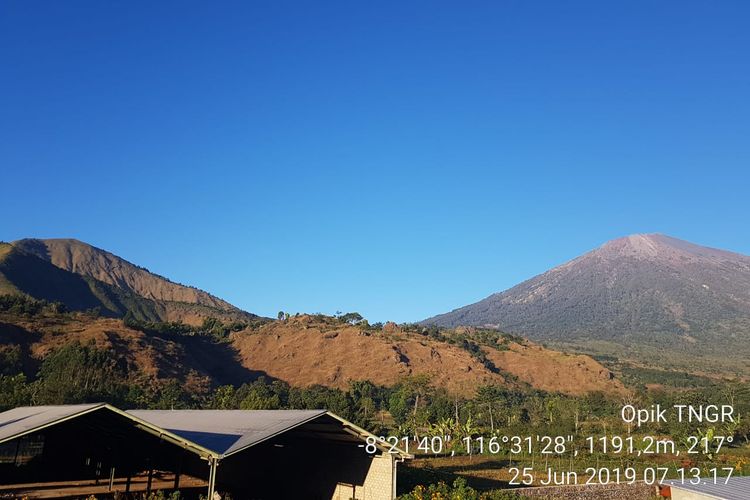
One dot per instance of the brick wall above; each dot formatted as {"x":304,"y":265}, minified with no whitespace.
{"x":378,"y":484}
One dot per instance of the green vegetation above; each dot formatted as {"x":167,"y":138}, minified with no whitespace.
{"x":76,"y":373}
{"x":459,"y":490}
{"x":210,"y":326}
{"x":357,"y":404}
{"x":23,"y":305}
{"x":412,"y":408}
{"x":352,"y":318}
{"x":640,"y":376}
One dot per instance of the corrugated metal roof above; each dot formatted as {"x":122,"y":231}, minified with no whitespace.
{"x":26,"y":419}
{"x":737,"y":488}
{"x":29,"y":419}
{"x":207,"y":432}
{"x":227,"y":431}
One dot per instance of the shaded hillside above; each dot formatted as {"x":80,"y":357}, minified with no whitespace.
{"x":84,"y":277}
{"x":650,"y":289}
{"x":25,"y":273}
{"x":86,"y":260}
{"x":199,"y":362}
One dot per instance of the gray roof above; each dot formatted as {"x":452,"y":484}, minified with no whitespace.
{"x":227,"y":431}
{"x":215,"y":433}
{"x":26,"y":419}
{"x":29,"y":419}
{"x":737,"y":487}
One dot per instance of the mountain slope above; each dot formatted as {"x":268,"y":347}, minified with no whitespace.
{"x":307,"y":350}
{"x":651,"y":287}
{"x":84,"y":277}
{"x":86,"y":260}
{"x":24,"y":273}
{"x":304,"y":351}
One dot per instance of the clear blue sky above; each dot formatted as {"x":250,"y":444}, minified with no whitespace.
{"x":399,"y":159}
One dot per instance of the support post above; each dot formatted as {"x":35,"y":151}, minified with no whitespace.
{"x":212,"y":463}
{"x":150,"y":479}
{"x":177,"y":475}
{"x":394,"y":465}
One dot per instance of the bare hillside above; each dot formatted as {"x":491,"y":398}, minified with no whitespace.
{"x":306,"y":351}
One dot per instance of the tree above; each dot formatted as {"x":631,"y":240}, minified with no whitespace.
{"x":173,"y":396}
{"x":410,"y":399}
{"x":259,"y":395}
{"x":80,"y":374}
{"x":363,"y":394}
{"x":223,"y":398}
{"x":14,"y":391}
{"x":10,"y":360}
{"x":351,"y":318}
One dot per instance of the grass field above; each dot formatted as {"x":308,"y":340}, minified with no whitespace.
{"x":491,"y":472}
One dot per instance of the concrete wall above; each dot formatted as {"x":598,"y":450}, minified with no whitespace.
{"x":378,"y":483}
{"x":680,"y":494}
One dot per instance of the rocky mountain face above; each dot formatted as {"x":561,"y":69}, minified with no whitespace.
{"x":86,"y":260}
{"x":646,"y":287}
{"x":83,"y":277}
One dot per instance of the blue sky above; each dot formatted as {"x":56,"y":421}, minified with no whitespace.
{"x":399,"y":159}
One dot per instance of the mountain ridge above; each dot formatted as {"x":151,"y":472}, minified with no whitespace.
{"x":82,"y":277}
{"x":87,"y":260}
{"x":650,"y":287}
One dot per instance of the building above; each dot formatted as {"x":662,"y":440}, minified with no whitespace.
{"x":98,"y":449}
{"x":735,"y":488}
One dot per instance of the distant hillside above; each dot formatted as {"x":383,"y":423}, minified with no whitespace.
{"x":86,"y":260}
{"x":85,"y":277}
{"x":644,"y":289}
{"x":308,"y":350}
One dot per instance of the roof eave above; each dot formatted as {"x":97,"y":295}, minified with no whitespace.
{"x":378,"y":441}
{"x":277,"y":433}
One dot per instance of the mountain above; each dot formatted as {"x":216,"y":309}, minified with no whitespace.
{"x":648,"y":289}
{"x":134,"y":306}
{"x":84,"y":277}
{"x":86,"y":260}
